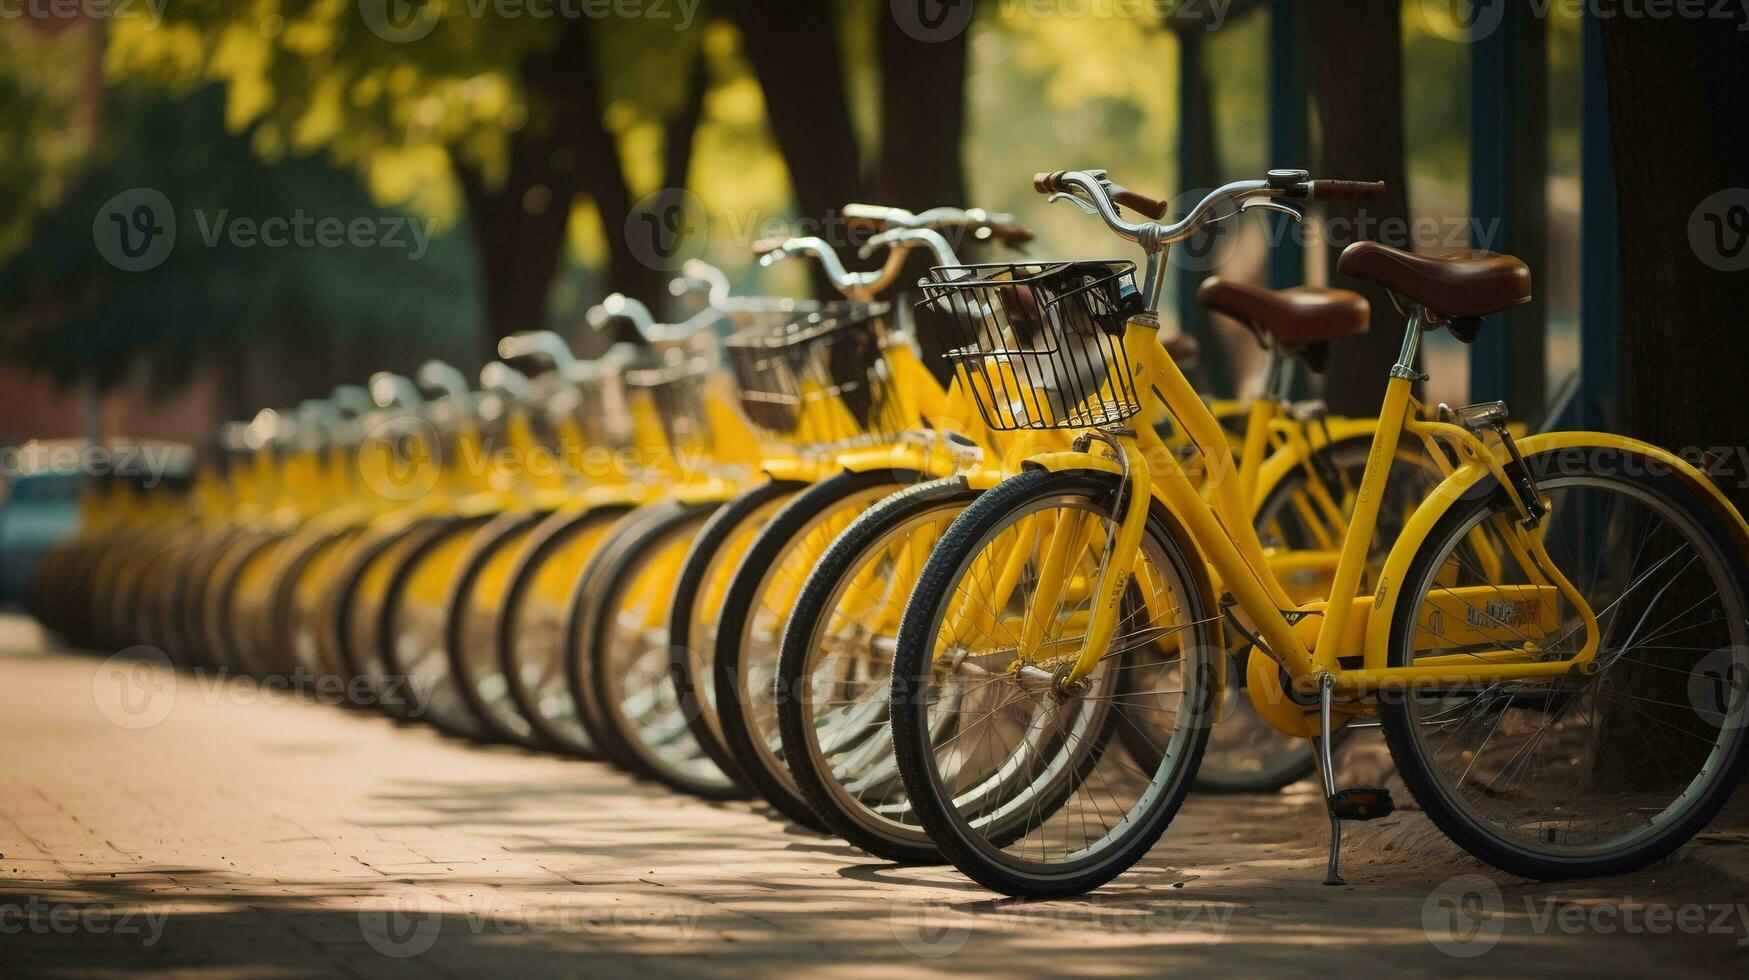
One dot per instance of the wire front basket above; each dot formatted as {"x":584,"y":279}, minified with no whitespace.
{"x":598,"y":407}
{"x":677,"y":390}
{"x":1039,"y":346}
{"x":820,"y":380}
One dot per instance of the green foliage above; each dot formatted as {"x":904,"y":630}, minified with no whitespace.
{"x":41,"y":135}
{"x":66,"y":309}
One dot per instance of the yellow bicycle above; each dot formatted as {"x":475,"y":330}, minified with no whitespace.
{"x":1527,"y":645}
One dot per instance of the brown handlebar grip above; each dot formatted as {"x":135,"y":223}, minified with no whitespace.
{"x":771,"y":244}
{"x":1347,"y":191}
{"x":1048,"y":183}
{"x":1142,"y":204}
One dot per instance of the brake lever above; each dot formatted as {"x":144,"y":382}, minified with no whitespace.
{"x":1074,"y":199}
{"x":1268,"y":205}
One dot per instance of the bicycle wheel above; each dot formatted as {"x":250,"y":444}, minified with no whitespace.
{"x":531,"y":625}
{"x":755,"y":610}
{"x":410,"y":631}
{"x":353,"y":611}
{"x":239,"y":572}
{"x":623,"y":641}
{"x":836,"y":667}
{"x":1013,"y":776}
{"x":1584,"y":774}
{"x":698,"y":600}
{"x":471,"y":627}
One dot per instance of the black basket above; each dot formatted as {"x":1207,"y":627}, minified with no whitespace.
{"x":677,"y":390}
{"x":819,"y":381}
{"x":1038,"y":345}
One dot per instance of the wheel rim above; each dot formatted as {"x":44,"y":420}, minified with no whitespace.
{"x":1064,"y":813}
{"x":1573,"y":770}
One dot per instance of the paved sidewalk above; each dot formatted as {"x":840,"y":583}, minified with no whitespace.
{"x":191,"y":826}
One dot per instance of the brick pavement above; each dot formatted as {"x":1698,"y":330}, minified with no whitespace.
{"x":208,"y":828}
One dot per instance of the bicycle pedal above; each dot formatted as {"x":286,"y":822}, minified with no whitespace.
{"x":1361,"y":803}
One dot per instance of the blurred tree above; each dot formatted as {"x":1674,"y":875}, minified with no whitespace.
{"x":794,"y":50}
{"x":1676,"y":91}
{"x":1355,"y":60}
{"x":45,"y":121}
{"x":530,"y":114}
{"x":69,"y":310}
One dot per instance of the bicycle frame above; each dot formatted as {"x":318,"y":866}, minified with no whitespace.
{"x":1221,"y":527}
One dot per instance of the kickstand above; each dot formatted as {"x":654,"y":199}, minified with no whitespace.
{"x":1327,"y":769}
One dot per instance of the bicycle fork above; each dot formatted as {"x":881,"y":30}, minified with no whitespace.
{"x":1129,"y":519}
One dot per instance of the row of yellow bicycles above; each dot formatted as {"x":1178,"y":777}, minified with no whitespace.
{"x":968,"y":572}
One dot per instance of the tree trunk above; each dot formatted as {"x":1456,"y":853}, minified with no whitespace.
{"x":1680,"y":147}
{"x":1675,"y":94}
{"x":564,"y":151}
{"x":793,"y":47}
{"x":922,"y":120}
{"x":1355,"y":62}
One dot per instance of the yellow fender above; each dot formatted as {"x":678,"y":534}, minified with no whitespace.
{"x":1467,"y":476}
{"x":1065,"y":460}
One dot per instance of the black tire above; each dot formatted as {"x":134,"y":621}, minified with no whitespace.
{"x":598,"y":670}
{"x":203,"y":580}
{"x":562,"y":732}
{"x":846,"y":557}
{"x":498,"y":715}
{"x":345,"y":611}
{"x":292,"y":649}
{"x":689,"y":659}
{"x":912,"y":669}
{"x":436,"y":702}
{"x":769,"y":775}
{"x":1630,"y":471}
{"x":219,"y":603}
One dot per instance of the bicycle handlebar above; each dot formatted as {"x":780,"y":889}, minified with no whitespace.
{"x":861,"y":285}
{"x":390,"y":390}
{"x":1095,"y":192}
{"x":697,"y":274}
{"x":983,"y":224}
{"x":445,"y":378}
{"x":350,"y":400}
{"x":502,"y":379}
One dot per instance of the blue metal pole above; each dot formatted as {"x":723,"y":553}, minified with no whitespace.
{"x":1289,"y":133}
